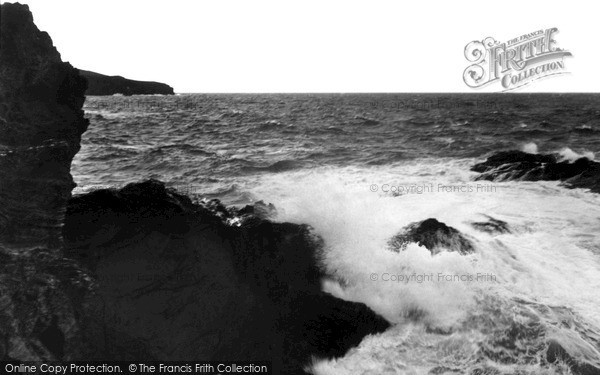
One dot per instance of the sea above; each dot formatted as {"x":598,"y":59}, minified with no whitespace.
{"x":358,"y":168}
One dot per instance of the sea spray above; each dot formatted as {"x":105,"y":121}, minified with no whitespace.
{"x":542,"y":263}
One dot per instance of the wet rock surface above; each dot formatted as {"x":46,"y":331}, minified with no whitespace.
{"x":519,"y":165}
{"x":434,"y":235}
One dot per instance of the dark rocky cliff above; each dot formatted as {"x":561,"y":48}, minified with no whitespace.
{"x":140,"y":273}
{"x":41,"y":122}
{"x":100,"y":84}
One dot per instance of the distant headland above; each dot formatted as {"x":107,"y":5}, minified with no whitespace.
{"x":100,"y":84}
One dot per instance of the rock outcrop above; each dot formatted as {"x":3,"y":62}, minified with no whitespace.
{"x":100,"y":84}
{"x":140,"y":273}
{"x":41,"y":122}
{"x":519,"y":165}
{"x":42,"y":294}
{"x":434,"y":235}
{"x":178,"y":280}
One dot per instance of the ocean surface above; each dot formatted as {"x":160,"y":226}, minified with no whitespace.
{"x":358,"y":168}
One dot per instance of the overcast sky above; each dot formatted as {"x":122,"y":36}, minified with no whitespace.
{"x":310,"y":46}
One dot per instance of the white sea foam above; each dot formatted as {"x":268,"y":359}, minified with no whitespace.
{"x":530,"y":148}
{"x":547,"y":259}
{"x":570,"y":155}
{"x":564,"y":154}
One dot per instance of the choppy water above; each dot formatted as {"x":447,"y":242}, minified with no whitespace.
{"x":334,"y":161}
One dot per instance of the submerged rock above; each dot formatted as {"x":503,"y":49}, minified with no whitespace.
{"x":434,"y":235}
{"x":519,"y":165}
{"x":492,"y":226}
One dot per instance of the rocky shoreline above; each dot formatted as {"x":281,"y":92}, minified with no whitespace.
{"x":145,"y":273}
{"x":141,"y":273}
{"x":173,"y":274}
{"x":519,"y":165}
